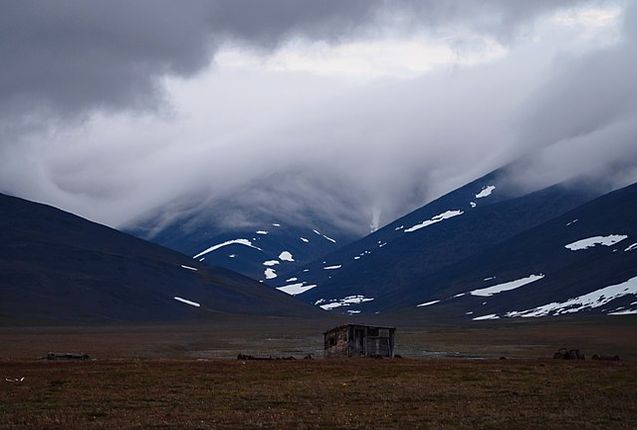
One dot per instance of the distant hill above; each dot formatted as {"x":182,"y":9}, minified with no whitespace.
{"x":242,"y":233}
{"x":58,"y":267}
{"x":584,"y":261}
{"x":382,"y":268}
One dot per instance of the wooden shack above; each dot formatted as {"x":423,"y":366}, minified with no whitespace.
{"x":353,"y":340}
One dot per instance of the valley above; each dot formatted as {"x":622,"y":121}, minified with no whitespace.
{"x":189,"y":377}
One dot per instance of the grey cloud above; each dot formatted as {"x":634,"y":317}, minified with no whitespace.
{"x":585,"y":115}
{"x":66,"y":56}
{"x":345,"y":153}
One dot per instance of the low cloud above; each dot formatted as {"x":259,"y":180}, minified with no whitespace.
{"x":155,"y":126}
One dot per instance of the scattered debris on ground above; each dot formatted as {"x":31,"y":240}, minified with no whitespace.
{"x":66,"y":356}
{"x":569,"y":354}
{"x":605,"y":357}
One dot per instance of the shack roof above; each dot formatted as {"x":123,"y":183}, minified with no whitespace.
{"x":358,"y":325}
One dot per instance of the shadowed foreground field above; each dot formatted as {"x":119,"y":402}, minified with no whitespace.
{"x":408,"y":393}
{"x":184,"y":376}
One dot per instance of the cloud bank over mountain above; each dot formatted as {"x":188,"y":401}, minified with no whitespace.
{"x":359,"y":109}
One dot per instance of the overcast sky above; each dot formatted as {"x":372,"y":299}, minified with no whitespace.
{"x":364,"y":109}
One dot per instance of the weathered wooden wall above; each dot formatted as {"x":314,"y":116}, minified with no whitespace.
{"x":359,"y":341}
{"x":340,"y":347}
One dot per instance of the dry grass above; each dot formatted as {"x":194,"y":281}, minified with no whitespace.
{"x":371,"y":393}
{"x":172,"y":377}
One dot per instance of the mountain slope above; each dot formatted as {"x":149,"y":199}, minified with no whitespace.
{"x":582,"y":261}
{"x":56,"y":266}
{"x":460,"y":224}
{"x":264,"y":240}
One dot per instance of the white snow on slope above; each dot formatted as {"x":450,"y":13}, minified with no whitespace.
{"x":486,"y":192}
{"x":292,"y":280}
{"x":434,"y":219}
{"x":473,"y":204}
{"x":262,"y":232}
{"x":270,"y":273}
{"x":328,"y":238}
{"x":570,"y":223}
{"x":433,"y":302}
{"x":507,"y":286}
{"x":345,"y":301}
{"x":244,"y":242}
{"x":324,"y":236}
{"x":591,"y":300}
{"x":189,"y":268}
{"x":631,"y":247}
{"x":590,"y":242}
{"x":626,"y":312}
{"x":286,"y":256}
{"x":304,"y":240}
{"x":276,"y":224}
{"x":295,"y":289}
{"x":186,"y":301}
{"x":487,"y":317}
{"x":333,"y":267}
{"x":271,"y":263}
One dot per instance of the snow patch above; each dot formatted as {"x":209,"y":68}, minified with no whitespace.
{"x":486,"y":317}
{"x":186,"y":301}
{"x":433,"y":302}
{"x":626,"y":312}
{"x":189,"y":268}
{"x":434,"y":219}
{"x":296,"y":289}
{"x":353,"y":312}
{"x":399,"y":228}
{"x":338,"y":266}
{"x":276,"y":225}
{"x":473,"y":204}
{"x":271,"y":263}
{"x":590,"y":242}
{"x":324,"y":236}
{"x":631,"y":247}
{"x":486,"y":192}
{"x":291,"y":279}
{"x":264,"y":232}
{"x":507,"y":286}
{"x":571,"y":222}
{"x":286,"y":256}
{"x":270,"y":273}
{"x":304,"y":240}
{"x":345,"y":301}
{"x":244,"y":242}
{"x":594,"y":299}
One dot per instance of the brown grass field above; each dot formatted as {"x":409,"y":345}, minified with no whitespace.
{"x":174,"y":377}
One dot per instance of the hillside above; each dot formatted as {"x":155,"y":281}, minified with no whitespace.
{"x":461,"y":224}
{"x":57,"y":267}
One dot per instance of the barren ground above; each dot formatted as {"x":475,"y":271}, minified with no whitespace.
{"x":185,"y":377}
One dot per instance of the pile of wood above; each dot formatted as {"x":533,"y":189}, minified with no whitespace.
{"x":605,"y":357}
{"x":246,"y":357}
{"x":569,"y":354}
{"x":67,"y":356}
